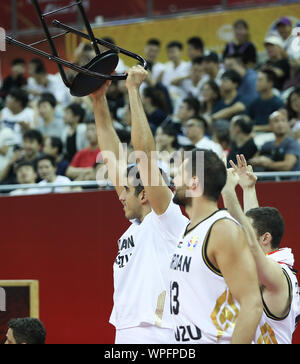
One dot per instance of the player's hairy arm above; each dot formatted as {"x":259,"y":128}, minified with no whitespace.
{"x":158,"y":193}
{"x":109,"y":142}
{"x":269,"y":272}
{"x":228,"y":250}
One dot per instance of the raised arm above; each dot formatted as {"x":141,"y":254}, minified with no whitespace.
{"x":247,"y":181}
{"x":109,"y":142}
{"x":269,"y":272}
{"x":229,"y":251}
{"x":157,"y":192}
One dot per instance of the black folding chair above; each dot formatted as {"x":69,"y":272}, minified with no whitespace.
{"x":94,"y":74}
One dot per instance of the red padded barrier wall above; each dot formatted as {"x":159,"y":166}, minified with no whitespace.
{"x":68,"y":243}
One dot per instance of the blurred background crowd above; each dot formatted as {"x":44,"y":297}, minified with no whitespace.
{"x":237,"y":102}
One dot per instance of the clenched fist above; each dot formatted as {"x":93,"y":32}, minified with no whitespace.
{"x":136,"y":76}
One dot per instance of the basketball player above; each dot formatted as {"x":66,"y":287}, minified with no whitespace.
{"x":215,"y":297}
{"x":264,"y":228}
{"x":141,"y":280}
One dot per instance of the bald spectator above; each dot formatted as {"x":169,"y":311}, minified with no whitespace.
{"x":283,"y":154}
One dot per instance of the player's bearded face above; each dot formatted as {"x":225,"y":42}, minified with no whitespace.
{"x":181,"y":190}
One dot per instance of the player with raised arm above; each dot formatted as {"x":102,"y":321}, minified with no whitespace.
{"x":264,"y":228}
{"x":215,"y":295}
{"x":141,"y":276}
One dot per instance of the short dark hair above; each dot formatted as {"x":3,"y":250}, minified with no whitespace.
{"x":175,"y":44}
{"x":268,"y":220}
{"x":198,"y":60}
{"x":241,"y":22}
{"x":214,"y":172}
{"x":244,"y":122}
{"x":133,"y":171}
{"x":193,"y":104}
{"x":17,"y":61}
{"x":271,"y":75}
{"x":47,"y":157}
{"x":233,"y":76}
{"x":77,"y":110}
{"x":154,"y":42}
{"x":292,"y":113}
{"x":20,"y":95}
{"x":196,"y":42}
{"x":24,"y":164}
{"x":40,"y":67}
{"x":57,"y":143}
{"x":33,"y":134}
{"x":28,"y":330}
{"x":48,"y":97}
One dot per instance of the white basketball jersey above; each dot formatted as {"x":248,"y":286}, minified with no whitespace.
{"x":274,"y":330}
{"x":203,"y":309}
{"x":141,"y":270}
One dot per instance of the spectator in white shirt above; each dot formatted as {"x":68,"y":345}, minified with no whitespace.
{"x":7,"y":142}
{"x":175,"y":70}
{"x":193,"y":84}
{"x":46,"y":167}
{"x":16,"y":115}
{"x":195,"y":131}
{"x":41,"y":82}
{"x":26,"y":175}
{"x":284,"y":27}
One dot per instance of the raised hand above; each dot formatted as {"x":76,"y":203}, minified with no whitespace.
{"x":247,"y":179}
{"x":136,"y":76}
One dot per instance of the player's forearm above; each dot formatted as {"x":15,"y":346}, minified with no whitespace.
{"x":141,"y":135}
{"x":107,"y":136}
{"x":247,"y":322}
{"x":110,"y":145}
{"x":250,"y":199}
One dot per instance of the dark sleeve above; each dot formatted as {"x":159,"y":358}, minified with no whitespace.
{"x":225,"y":51}
{"x":250,"y":54}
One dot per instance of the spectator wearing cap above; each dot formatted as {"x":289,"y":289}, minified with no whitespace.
{"x":266,"y":103}
{"x":7,"y":142}
{"x":282,"y":154}
{"x":231,"y":102}
{"x":242,"y":44}
{"x":247,"y":87}
{"x":195,"y":131}
{"x":284,"y":28}
{"x":242,"y":142}
{"x":50,"y":124}
{"x":212,"y":67}
{"x":16,"y":114}
{"x":277,"y":61}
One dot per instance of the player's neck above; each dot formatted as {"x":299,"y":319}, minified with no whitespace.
{"x":200,"y":209}
{"x":145,"y":211}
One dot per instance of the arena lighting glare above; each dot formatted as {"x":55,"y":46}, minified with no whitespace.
{"x":94,"y":74}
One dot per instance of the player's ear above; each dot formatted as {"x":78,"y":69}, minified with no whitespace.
{"x":143,"y":197}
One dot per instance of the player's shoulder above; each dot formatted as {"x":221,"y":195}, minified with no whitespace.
{"x":227,"y":228}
